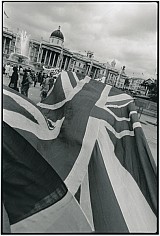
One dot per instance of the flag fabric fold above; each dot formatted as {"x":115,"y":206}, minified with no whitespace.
{"x":88,"y":135}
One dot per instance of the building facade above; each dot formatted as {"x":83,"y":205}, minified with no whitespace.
{"x":135,"y":84}
{"x":52,"y":53}
{"x":115,"y":77}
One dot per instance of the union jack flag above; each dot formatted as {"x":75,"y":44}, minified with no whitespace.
{"x":88,"y":167}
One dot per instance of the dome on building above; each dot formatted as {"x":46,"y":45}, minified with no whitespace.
{"x":58,"y":34}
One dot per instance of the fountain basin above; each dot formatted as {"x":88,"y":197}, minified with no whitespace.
{"x":19,"y":58}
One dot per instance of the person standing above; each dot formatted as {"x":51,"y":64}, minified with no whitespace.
{"x":35,"y":79}
{"x":21,"y":73}
{"x":26,"y":82}
{"x":40,"y":78}
{"x":33,"y":76}
{"x":14,"y":79}
{"x":4,"y":69}
{"x":51,"y":80}
{"x":10,"y":71}
{"x":7,"y":69}
{"x":45,"y":86}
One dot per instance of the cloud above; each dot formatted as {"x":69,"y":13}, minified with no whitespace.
{"x":123,"y":31}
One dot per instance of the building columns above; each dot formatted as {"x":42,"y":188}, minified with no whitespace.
{"x":57,"y":65}
{"x":69,"y":63}
{"x":95,"y":73}
{"x":117,"y":80}
{"x":10,"y":46}
{"x":49,"y":57}
{"x":73,"y":65}
{"x":87,"y":70}
{"x":45,"y":56}
{"x":39,"y":51}
{"x":40,"y":59}
{"x":90,"y":68}
{"x":53,"y":59}
{"x":65,"y":63}
{"x":60,"y":61}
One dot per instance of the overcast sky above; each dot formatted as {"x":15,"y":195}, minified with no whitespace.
{"x":126,"y":32}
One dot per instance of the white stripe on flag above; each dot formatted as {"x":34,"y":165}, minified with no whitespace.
{"x":65,"y":216}
{"x":18,"y":121}
{"x":80,"y":167}
{"x":66,"y":83}
{"x":85,"y":201}
{"x":120,"y":118}
{"x":35,"y":112}
{"x":75,"y":76}
{"x":119,"y":97}
{"x":136,"y":211}
{"x":119,"y":106}
{"x":104,"y":96}
{"x":122,"y":133}
{"x":79,"y":86}
{"x":50,"y":90}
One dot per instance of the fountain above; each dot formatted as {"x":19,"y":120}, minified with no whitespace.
{"x":21,"y":51}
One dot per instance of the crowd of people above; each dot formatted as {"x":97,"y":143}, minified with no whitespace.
{"x":21,"y":79}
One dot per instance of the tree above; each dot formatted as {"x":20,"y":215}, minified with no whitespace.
{"x":151,"y":89}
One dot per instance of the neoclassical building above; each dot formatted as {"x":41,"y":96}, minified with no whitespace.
{"x":52,"y":53}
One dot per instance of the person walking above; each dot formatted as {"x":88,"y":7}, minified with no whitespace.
{"x":14,"y":79}
{"x":26,"y":82}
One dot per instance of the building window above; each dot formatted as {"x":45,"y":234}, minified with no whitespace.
{"x":79,"y":64}
{"x":84,"y":66}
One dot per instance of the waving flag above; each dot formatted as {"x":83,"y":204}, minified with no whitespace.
{"x":93,"y":140}
{"x":35,"y":198}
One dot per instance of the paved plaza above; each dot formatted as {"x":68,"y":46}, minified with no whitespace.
{"x":148,"y":123}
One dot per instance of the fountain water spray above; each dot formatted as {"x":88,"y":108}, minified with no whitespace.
{"x":21,"y":52}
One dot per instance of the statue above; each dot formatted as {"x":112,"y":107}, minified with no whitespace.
{"x":113,"y":63}
{"x":123,"y":70}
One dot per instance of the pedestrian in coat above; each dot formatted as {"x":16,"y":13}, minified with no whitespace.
{"x":45,"y":86}
{"x":26,"y":82}
{"x":14,"y":79}
{"x":51,"y":80}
